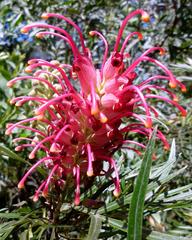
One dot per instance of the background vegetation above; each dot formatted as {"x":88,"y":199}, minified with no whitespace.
{"x":167,"y":207}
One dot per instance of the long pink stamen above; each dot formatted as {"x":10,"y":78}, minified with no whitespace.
{"x":134,"y":142}
{"x":144,"y":17}
{"x":128,"y":38}
{"x":21,"y":100}
{"x":23,"y":138}
{"x":133,"y":149}
{"x":173,"y":81}
{"x":182,"y":110}
{"x":133,"y":125}
{"x":67,"y":66}
{"x":41,"y":34}
{"x":117,"y":190}
{"x":137,"y":128}
{"x":45,"y":63}
{"x":161,"y":136}
{"x":148,"y":123}
{"x":147,"y":132}
{"x":152,"y":109}
{"x":45,"y":190}
{"x":157,"y":77}
{"x":181,"y":85}
{"x":59,"y":80}
{"x":156,"y":114}
{"x":37,"y":192}
{"x":56,"y":15}
{"x":22,"y":182}
{"x":31,"y":129}
{"x":20,"y":147}
{"x":143,"y":132}
{"x":40,"y":144}
{"x":92,"y":33}
{"x":61,"y":132}
{"x":53,"y":101}
{"x":153,"y":49}
{"x":9,"y":130}
{"x":27,"y":28}
{"x":50,"y":123}
{"x":60,"y":109}
{"x":77,"y":191}
{"x":149,"y":87}
{"x":13,"y":81}
{"x":128,"y":114}
{"x":145,"y":122}
{"x":90,"y":159}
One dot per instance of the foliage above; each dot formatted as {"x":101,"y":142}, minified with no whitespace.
{"x":159,"y":199}
{"x":171,"y":26}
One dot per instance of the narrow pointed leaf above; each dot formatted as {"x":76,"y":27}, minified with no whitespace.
{"x":7,"y":152}
{"x":163,"y":171}
{"x":135,"y":218}
{"x":170,"y":162}
{"x":95,"y":227}
{"x":164,"y":236}
{"x":151,"y":187}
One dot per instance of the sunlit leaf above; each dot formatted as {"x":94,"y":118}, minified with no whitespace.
{"x":95,"y":227}
{"x":164,"y":236}
{"x":135,"y":218}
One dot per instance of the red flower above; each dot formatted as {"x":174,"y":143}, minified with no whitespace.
{"x":77,"y":131}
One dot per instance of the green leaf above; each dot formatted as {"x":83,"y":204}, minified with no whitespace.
{"x":135,"y":218}
{"x":10,"y":215}
{"x":10,"y":111}
{"x":95,"y":227}
{"x":171,"y":160}
{"x":118,"y":224}
{"x":115,"y":205}
{"x":41,"y":233}
{"x":163,"y":171}
{"x":24,"y":235}
{"x":6,"y":229}
{"x":17,"y":20}
{"x":180,"y":193}
{"x":3,"y":86}
{"x":164,"y":236}
{"x":6,"y":151}
{"x":6,"y":234}
{"x":52,"y":234}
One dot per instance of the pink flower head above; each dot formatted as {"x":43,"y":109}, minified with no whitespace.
{"x":78,"y":130}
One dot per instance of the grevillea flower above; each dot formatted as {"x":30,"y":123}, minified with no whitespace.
{"x":78,"y":130}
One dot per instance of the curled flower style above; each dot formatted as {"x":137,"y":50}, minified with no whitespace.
{"x":78,"y":130}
